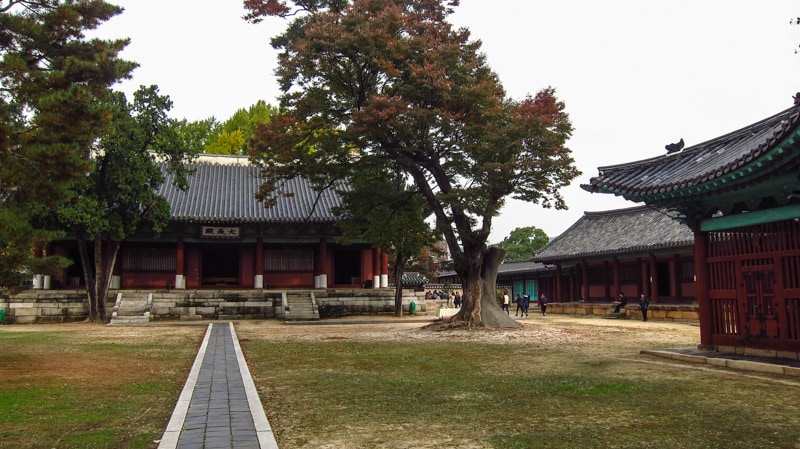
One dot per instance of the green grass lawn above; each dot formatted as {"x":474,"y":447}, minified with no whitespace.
{"x":483,"y":394}
{"x":88,"y":386}
{"x":555,"y":385}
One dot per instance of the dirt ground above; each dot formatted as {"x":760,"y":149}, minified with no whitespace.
{"x":592,"y":333}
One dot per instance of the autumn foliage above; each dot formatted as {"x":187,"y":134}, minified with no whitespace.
{"x":394,"y":79}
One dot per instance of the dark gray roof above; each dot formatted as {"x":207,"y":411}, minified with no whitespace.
{"x":620,"y":231}
{"x":224,"y":193}
{"x":519,"y":266}
{"x":510,"y":268}
{"x":413,"y":278}
{"x":699,"y":164}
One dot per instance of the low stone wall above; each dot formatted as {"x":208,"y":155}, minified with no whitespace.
{"x":57,"y":306}
{"x":46,"y":306}
{"x":215,"y":305}
{"x":347,"y":302}
{"x":656,"y":312}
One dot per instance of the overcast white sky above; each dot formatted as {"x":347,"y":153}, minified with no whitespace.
{"x":635,"y":75}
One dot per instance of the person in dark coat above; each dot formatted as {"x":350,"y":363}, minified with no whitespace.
{"x":543,"y":304}
{"x":526,"y":302}
{"x":520,"y":306}
{"x":621,"y":303}
{"x":644,"y":304}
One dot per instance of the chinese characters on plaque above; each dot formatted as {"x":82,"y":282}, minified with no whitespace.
{"x":221,"y":231}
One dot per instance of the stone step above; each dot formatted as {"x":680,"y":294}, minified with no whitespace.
{"x":300,"y":308}
{"x":615,"y":316}
{"x":129,"y":320}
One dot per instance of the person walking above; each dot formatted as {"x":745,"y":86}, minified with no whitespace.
{"x":526,"y":303}
{"x":644,"y":304}
{"x":520,"y":307}
{"x":506,"y":302}
{"x":543,"y":304}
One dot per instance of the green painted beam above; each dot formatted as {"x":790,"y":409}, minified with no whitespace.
{"x":750,"y":218}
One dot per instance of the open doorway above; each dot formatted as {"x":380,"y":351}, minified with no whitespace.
{"x":220,"y":267}
{"x":347,"y":268}
{"x":663,"y":279}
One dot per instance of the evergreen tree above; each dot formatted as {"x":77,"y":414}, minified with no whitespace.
{"x":53,"y":84}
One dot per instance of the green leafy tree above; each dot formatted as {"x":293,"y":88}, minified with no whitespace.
{"x":119,"y":196}
{"x":52,"y":84}
{"x":198,"y":134}
{"x":384,"y":211}
{"x":522,"y":243}
{"x":392,"y":79}
{"x":235,"y":133}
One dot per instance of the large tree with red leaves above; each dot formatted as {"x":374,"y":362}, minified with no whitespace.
{"x":393,"y":79}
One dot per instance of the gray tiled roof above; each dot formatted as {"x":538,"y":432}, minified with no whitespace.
{"x":511,"y":267}
{"x":620,"y":231}
{"x":519,"y":266}
{"x":700,"y":163}
{"x":224,"y":193}
{"x":414,"y":278}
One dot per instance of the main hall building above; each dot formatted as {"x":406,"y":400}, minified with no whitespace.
{"x":221,"y":237}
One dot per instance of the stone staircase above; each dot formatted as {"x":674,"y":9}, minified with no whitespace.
{"x":301,"y":306}
{"x":616,"y":316}
{"x":132,"y":308}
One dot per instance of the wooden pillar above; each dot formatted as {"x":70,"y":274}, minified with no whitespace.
{"x":584,"y":281}
{"x":322,"y":271}
{"x":179,"y":257}
{"x":617,"y":289}
{"x":180,"y":278}
{"x":607,"y":284}
{"x":376,"y":268}
{"x":259,"y":255}
{"x":573,"y":282}
{"x":557,"y":286}
{"x":644,"y":279}
{"x":701,"y":285}
{"x":676,"y":277}
{"x":653,"y":279}
{"x":258,"y":281}
{"x":385,"y":270}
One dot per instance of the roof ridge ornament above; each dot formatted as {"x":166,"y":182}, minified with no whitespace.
{"x":675,"y":147}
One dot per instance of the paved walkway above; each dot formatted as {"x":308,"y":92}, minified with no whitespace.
{"x":219,"y":407}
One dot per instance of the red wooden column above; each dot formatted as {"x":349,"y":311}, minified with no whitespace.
{"x":258,"y":282}
{"x":557,"y":286}
{"x":376,"y":268}
{"x":645,"y":280}
{"x":615,"y":274}
{"x":584,"y":281}
{"x":573,"y":282}
{"x":322,"y":268}
{"x":701,"y":285}
{"x":676,"y":277}
{"x":180,"y":279}
{"x":653,"y":279}
{"x":607,"y":285}
{"x":384,"y":269}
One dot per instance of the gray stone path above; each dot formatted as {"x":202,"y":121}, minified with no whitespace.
{"x":219,"y":407}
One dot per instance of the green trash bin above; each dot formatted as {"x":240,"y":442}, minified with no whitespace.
{"x":2,"y":315}
{"x":412,"y":308}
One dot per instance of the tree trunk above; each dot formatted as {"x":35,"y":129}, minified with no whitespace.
{"x":480,"y":308}
{"x":492,"y":316}
{"x":98,"y":280}
{"x":88,"y":278}
{"x":398,"y":285}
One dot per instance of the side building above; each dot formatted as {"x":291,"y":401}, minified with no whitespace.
{"x":626,"y":251}
{"x":740,"y":195}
